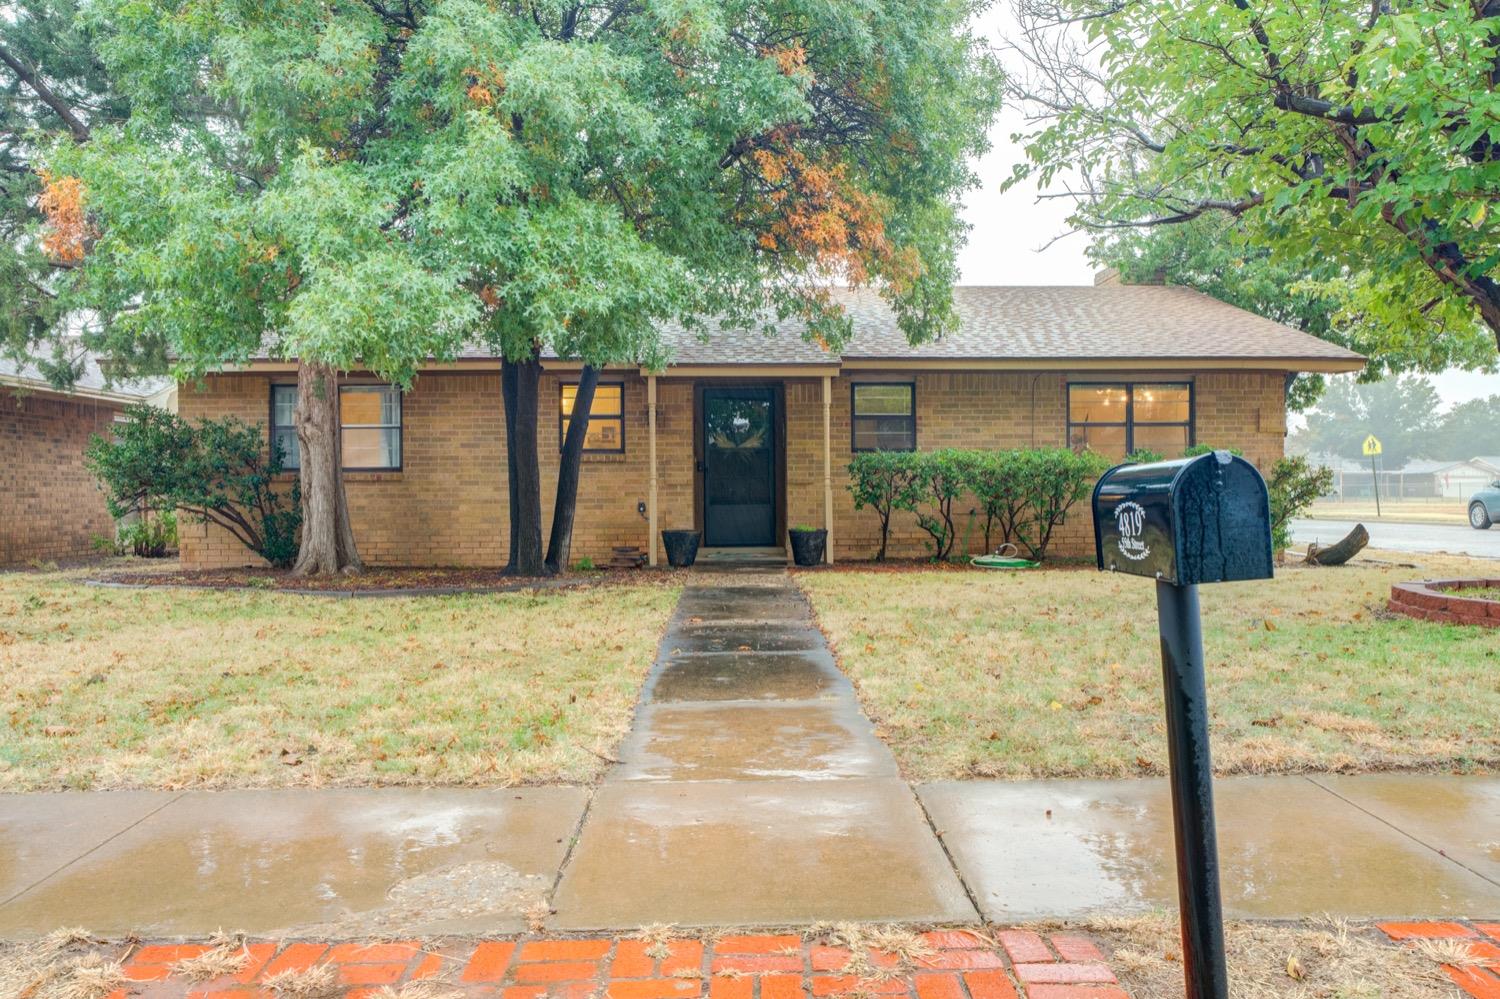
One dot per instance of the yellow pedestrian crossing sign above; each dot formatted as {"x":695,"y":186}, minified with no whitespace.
{"x":1372,"y":446}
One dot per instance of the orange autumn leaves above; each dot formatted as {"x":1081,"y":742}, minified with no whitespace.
{"x":814,"y":210}
{"x":67,"y":233}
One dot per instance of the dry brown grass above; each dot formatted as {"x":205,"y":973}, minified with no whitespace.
{"x":61,"y":965}
{"x":184,"y":688}
{"x":1319,"y":959}
{"x":317,"y":982}
{"x":860,"y":939}
{"x":1055,"y":673}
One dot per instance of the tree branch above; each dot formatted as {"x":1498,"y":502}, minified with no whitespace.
{"x":38,"y":86}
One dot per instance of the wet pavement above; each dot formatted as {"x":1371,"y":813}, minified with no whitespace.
{"x":351,"y":860}
{"x":752,"y":788}
{"x":1376,"y":845}
{"x":1398,"y":537}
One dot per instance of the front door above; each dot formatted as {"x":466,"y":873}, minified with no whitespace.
{"x":739,"y":466}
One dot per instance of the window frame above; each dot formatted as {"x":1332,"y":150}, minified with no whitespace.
{"x":855,"y":416}
{"x":399,"y":426}
{"x":564,"y":418}
{"x":1191,"y":424}
{"x":272,"y":426}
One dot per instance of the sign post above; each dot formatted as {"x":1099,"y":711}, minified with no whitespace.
{"x":1197,"y":520}
{"x":1372,"y":448}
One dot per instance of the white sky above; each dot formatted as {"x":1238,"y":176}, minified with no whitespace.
{"x":1009,"y":230}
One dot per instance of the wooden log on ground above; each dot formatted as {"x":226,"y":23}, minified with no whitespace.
{"x":1337,"y":554}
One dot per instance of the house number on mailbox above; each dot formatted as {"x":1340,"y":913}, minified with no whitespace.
{"x":1130,"y":518}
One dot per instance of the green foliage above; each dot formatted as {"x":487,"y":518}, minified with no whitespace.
{"x":52,"y":87}
{"x":151,"y":536}
{"x":1197,"y":449}
{"x":994,"y":479}
{"x":1293,"y":486}
{"x":941,"y":477}
{"x":1142,"y":456}
{"x":1354,"y":145}
{"x":376,"y":184}
{"x":1025,"y":494}
{"x":215,"y":471}
{"x":1405,"y":413}
{"x":886,"y":481}
{"x":584,"y":564}
{"x":1052,"y":481}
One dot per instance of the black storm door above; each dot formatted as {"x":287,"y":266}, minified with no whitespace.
{"x":739,"y":466}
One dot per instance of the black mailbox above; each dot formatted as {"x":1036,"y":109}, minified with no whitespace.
{"x":1195,"y":520}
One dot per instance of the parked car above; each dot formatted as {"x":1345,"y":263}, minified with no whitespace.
{"x":1484,"y":506}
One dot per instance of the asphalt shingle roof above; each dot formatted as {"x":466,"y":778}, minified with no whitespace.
{"x":1036,"y":323}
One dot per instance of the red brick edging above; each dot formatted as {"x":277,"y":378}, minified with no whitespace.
{"x":954,"y":964}
{"x":1480,"y":979}
{"x":1442,"y":600}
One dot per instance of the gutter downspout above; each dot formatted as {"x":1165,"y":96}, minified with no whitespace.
{"x":828,"y":466}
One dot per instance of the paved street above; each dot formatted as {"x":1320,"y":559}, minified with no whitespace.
{"x":1404,"y":537}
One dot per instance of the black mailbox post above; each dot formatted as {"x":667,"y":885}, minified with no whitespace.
{"x":1197,"y":520}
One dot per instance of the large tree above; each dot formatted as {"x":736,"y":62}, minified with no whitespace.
{"x":52,"y":85}
{"x":381,"y":180}
{"x":1360,"y":134}
{"x":1404,"y":413}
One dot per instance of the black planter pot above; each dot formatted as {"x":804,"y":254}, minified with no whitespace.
{"x":807,"y":546}
{"x":681,"y":546}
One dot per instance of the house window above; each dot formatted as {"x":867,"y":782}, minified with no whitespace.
{"x":884,"y":417}
{"x":1120,"y":418}
{"x":606,"y":432}
{"x":283,"y":427}
{"x":370,"y":426}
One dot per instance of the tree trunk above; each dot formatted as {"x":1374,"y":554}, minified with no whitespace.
{"x":561,"y":541}
{"x":1337,"y":554}
{"x":327,"y":539}
{"x":525,"y":485}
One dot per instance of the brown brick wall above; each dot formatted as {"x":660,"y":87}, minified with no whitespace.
{"x":446,"y":506}
{"x":50,"y":506}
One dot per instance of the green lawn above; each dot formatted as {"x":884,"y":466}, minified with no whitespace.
{"x":1056,"y":672}
{"x":187,"y":688}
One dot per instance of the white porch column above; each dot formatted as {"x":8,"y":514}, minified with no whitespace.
{"x":651,"y":450}
{"x":828,"y":466}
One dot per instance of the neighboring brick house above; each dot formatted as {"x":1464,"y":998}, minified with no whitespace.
{"x":50,"y":506}
{"x":744,"y":435}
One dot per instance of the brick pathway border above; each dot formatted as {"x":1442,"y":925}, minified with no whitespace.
{"x":961,"y":964}
{"x":1480,"y":980}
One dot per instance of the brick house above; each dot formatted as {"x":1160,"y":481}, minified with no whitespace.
{"x":50,"y":506}
{"x":744,"y":435}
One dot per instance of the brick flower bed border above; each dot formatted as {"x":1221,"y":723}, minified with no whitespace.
{"x":1443,"y":600}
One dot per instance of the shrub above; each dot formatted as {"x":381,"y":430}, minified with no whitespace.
{"x":941,"y":477}
{"x":995,"y":480}
{"x":152,"y":536}
{"x":885,"y":481}
{"x":1051,"y":481}
{"x":215,"y":471}
{"x":1293,"y":485}
{"x":1197,"y":449}
{"x":1142,"y":456}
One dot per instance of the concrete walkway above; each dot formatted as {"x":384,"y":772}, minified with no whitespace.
{"x":751,"y":791}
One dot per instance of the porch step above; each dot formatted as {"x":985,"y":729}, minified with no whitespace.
{"x":743,"y":556}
